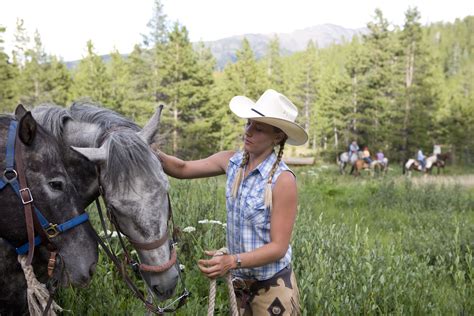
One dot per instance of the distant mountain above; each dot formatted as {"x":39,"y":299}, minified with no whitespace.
{"x":224,"y":50}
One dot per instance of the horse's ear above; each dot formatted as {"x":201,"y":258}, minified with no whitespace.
{"x":20,"y":111}
{"x":97,"y":155}
{"x":27,"y":129}
{"x":151,"y":128}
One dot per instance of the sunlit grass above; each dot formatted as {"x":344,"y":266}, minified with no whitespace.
{"x":361,"y":246}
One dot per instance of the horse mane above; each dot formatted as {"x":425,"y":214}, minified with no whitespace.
{"x":52,"y":118}
{"x":87,"y":111}
{"x":129,"y":157}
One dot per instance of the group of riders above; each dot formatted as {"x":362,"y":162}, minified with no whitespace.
{"x":354,"y":150}
{"x":362,"y":159}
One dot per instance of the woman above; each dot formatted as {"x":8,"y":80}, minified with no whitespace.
{"x":366,"y":155}
{"x":261,"y":200}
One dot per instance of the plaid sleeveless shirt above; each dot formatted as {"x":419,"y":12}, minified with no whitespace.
{"x":248,"y":222}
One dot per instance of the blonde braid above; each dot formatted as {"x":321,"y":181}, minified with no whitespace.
{"x":268,"y":187}
{"x":240,"y":175}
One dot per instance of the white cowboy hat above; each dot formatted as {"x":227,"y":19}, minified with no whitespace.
{"x":272,"y":108}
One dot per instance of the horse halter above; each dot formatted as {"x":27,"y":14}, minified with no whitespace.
{"x":136,"y":266}
{"x":17,"y":180}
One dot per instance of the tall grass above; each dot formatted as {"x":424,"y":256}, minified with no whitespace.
{"x":361,"y":246}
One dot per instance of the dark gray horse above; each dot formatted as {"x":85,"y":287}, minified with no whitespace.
{"x":56,"y":199}
{"x":131,"y":175}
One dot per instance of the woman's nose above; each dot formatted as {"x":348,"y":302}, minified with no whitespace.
{"x":248,"y":130}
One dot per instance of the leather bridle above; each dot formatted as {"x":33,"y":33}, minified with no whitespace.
{"x":134,"y":264}
{"x":14,"y":176}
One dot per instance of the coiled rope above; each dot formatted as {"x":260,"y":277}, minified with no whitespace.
{"x":212,"y":290}
{"x":37,"y":293}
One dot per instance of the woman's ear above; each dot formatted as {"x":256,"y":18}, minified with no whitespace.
{"x":281,"y":137}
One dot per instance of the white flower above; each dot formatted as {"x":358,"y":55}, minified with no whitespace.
{"x":203,"y":221}
{"x":102,"y":233}
{"x":215,"y":222}
{"x":182,"y":267}
{"x":224,"y":225}
{"x":189,"y":229}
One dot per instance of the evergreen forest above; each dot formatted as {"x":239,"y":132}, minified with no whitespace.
{"x":395,"y":88}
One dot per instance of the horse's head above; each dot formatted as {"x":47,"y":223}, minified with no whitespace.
{"x":59,"y":122}
{"x":136,"y":191}
{"x":53,"y":195}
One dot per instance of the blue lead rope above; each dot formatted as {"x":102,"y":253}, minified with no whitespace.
{"x":51,"y":229}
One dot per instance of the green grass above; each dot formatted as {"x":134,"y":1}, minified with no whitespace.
{"x":360,"y":246}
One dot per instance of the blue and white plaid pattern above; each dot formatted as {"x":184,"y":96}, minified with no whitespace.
{"x":248,"y":222}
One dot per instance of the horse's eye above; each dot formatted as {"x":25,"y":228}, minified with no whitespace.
{"x":56,"y":185}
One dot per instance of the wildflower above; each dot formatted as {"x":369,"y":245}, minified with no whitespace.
{"x":189,"y":229}
{"x":215,"y":222}
{"x":181,"y":267}
{"x":108,"y":232}
{"x":203,"y":221}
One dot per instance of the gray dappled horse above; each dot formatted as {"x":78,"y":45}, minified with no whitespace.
{"x":53,"y":195}
{"x":135,"y":186}
{"x":343,"y":160}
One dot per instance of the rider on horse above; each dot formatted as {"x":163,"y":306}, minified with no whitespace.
{"x":353,"y":149}
{"x":366,"y":155}
{"x":380,"y":156}
{"x":421,"y":158}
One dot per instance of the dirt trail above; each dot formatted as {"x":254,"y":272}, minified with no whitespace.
{"x":463,"y":180}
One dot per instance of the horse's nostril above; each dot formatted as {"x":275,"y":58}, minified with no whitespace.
{"x":157,"y":290}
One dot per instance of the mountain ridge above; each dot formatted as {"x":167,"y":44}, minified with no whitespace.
{"x":224,"y":49}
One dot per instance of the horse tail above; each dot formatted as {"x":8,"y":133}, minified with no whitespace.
{"x":404,"y":169}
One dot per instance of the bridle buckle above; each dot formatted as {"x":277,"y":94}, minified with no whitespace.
{"x":28,"y":199}
{"x":52,"y":230}
{"x":10,"y":175}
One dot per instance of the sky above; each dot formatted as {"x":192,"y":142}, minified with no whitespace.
{"x":65,"y":26}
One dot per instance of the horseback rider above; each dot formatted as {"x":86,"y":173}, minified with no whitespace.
{"x":380,"y":157}
{"x":421,"y":158}
{"x":353,"y":149}
{"x":366,"y":155}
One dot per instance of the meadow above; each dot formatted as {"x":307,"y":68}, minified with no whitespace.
{"x":369,"y":246}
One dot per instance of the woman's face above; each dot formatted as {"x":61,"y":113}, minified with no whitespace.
{"x":260,"y":137}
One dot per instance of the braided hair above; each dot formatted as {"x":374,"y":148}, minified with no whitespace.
{"x":240,"y":175}
{"x":268,"y":187}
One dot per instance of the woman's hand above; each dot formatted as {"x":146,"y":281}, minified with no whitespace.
{"x":218,"y":265}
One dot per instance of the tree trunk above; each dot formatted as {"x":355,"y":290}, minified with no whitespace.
{"x":409,"y":72}
{"x":354,"y":102}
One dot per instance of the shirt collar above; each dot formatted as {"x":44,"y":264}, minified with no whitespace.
{"x":264,"y":168}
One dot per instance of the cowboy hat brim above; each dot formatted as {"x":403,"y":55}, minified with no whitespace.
{"x":242,"y":107}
